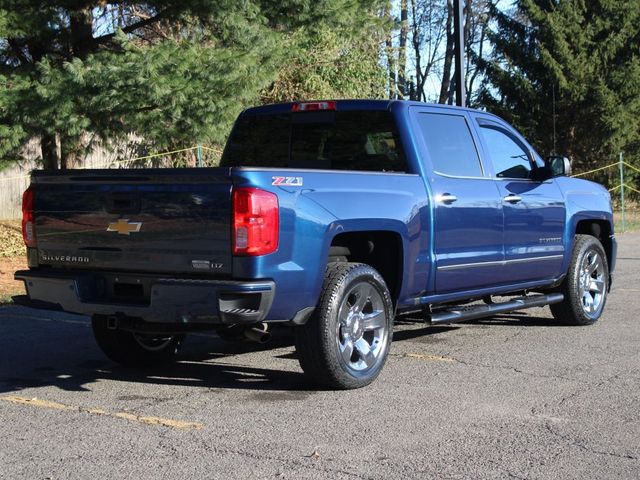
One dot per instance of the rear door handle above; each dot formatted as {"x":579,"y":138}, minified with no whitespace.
{"x":447,"y":198}
{"x":512,"y":199}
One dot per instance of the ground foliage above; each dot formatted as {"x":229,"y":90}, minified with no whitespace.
{"x":11,"y":243}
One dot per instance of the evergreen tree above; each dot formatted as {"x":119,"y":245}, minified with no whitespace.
{"x":578,"y":58}
{"x":171,"y":72}
{"x":331,"y":64}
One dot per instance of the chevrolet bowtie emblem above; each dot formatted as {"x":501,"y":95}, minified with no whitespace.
{"x":124,"y":226}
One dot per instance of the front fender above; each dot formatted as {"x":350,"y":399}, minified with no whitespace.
{"x":585,"y":201}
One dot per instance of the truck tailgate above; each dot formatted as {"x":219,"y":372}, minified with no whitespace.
{"x":152,"y":220}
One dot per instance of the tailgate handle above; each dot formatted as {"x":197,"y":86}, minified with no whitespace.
{"x":123,"y":203}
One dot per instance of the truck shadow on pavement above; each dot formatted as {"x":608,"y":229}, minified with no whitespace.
{"x":519,"y":319}
{"x":512,"y":319}
{"x":50,"y":359}
{"x":39,"y":351}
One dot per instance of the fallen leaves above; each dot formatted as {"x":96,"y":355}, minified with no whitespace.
{"x":315,"y":455}
{"x":11,"y":244}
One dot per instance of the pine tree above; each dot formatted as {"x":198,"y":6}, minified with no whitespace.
{"x":174,"y":73}
{"x":332,"y":63}
{"x":579,"y":59}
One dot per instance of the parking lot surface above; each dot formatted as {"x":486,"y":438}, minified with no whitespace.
{"x":513,"y":396}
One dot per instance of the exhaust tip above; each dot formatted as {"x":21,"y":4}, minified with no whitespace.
{"x":258,"y":334}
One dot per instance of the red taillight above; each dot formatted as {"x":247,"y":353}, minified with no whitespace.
{"x":313,"y":106}
{"x":255,"y":221}
{"x":28,"y":217}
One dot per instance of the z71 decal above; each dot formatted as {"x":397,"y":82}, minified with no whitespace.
{"x":287,"y":181}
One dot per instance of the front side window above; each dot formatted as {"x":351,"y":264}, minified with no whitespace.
{"x":510,"y":159}
{"x":450,"y":145}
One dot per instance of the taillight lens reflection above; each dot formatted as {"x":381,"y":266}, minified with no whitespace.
{"x":28,"y":217}
{"x":255,"y":221}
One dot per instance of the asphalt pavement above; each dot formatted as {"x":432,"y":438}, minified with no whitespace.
{"x":513,"y":396}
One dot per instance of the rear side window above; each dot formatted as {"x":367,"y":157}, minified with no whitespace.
{"x":450,"y":145}
{"x":353,"y":140}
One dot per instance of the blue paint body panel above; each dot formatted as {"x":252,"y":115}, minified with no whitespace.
{"x":479,"y":228}
{"x":312,"y":215}
{"x":475,"y":246}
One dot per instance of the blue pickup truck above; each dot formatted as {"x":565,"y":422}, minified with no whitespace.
{"x":333,"y":217}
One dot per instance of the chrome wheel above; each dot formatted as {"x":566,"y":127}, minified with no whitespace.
{"x":585,"y":286}
{"x":152,"y":343}
{"x":346,"y":341}
{"x":592,"y":282}
{"x":361,"y":329}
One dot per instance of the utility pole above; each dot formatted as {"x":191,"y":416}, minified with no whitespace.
{"x":458,"y":33}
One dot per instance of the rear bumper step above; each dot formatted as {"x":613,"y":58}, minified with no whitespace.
{"x":459,"y":314}
{"x":183,"y":301}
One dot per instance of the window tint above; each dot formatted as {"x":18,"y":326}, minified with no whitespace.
{"x":509,"y":159}
{"x":352,"y":140}
{"x":450,"y":145}
{"x":259,"y":141}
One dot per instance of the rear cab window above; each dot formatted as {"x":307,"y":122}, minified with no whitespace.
{"x":365,"y":140}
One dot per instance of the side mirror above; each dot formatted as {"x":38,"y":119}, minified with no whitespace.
{"x":558,"y":166}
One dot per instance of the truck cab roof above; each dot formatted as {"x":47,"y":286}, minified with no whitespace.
{"x":348,"y":104}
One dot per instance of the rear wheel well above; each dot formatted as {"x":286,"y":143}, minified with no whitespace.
{"x":601,"y":229}
{"x":379,"y":249}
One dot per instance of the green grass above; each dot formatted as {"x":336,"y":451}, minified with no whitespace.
{"x":631,"y":221}
{"x":5,"y":299}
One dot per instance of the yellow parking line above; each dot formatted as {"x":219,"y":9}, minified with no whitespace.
{"x":37,"y":402}
{"x":164,"y":422}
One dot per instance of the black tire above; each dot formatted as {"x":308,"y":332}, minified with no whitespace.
{"x":345,"y":343}
{"x":582,"y":286}
{"x":133,"y":349}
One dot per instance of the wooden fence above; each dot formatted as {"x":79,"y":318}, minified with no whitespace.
{"x":14,"y":181}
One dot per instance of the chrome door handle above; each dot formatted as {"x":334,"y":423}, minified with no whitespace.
{"x":512,"y":199}
{"x":447,"y":198}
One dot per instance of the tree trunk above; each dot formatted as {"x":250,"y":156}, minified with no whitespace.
{"x":472,"y":79}
{"x":402,"y":50}
{"x":415,"y":40}
{"x":49,"y":151}
{"x":81,"y":23}
{"x":445,"y":86}
{"x":469,"y":39}
{"x":66,"y":154}
{"x":391,"y":64}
